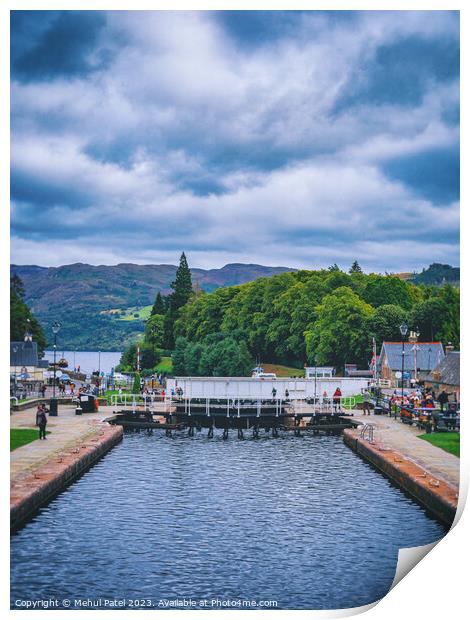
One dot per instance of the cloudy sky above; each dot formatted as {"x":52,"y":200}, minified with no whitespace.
{"x":296,"y":138}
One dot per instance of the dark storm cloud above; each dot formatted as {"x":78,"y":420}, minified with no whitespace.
{"x":247,"y":136}
{"x":46,"y":44}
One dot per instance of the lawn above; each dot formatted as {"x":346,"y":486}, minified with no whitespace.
{"x":21,"y":436}
{"x":165,"y":365}
{"x":143,"y":314}
{"x":283,"y":371}
{"x":450,"y":442}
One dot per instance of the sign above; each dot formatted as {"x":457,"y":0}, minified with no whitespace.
{"x":406,"y":375}
{"x":398,"y":375}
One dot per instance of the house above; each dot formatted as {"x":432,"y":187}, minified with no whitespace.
{"x":419,"y":360}
{"x":321,"y":372}
{"x":24,"y":360}
{"x":351,"y":370}
{"x":446,"y":376}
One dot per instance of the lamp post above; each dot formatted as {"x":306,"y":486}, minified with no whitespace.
{"x":403,"y":332}
{"x":15,"y":351}
{"x":53,"y":401}
{"x":416,"y":349}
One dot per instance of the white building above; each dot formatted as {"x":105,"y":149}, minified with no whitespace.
{"x":319,"y":371}
{"x":258,"y":388}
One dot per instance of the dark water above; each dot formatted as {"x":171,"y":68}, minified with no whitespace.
{"x":301,"y":521}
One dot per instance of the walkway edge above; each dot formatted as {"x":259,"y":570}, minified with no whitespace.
{"x":38,"y":488}
{"x":433,"y":493}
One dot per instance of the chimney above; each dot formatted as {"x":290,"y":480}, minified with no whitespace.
{"x":449,"y":347}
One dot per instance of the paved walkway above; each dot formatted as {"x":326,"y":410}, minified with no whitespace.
{"x":404,"y":439}
{"x":66,"y":431}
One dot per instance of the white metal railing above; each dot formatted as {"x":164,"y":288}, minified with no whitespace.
{"x":137,"y":400}
{"x":234,"y":406}
{"x":15,"y":399}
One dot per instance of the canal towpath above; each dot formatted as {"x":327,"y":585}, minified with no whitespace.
{"x":404,"y":439}
{"x":43,"y":468}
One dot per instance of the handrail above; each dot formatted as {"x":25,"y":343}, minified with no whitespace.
{"x":368,"y":428}
{"x":15,"y":399}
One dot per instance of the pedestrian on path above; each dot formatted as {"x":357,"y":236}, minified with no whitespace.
{"x":41,"y":421}
{"x":366,"y":402}
{"x":337,"y":399}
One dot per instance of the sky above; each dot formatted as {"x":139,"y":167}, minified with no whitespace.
{"x":299,"y":139}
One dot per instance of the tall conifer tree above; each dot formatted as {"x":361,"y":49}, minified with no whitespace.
{"x":158,"y":306}
{"x":182,"y":289}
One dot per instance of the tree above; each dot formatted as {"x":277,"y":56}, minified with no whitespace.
{"x":380,"y":290}
{"x":128,"y":359}
{"x":136,"y":385}
{"x":158,"y":306}
{"x":355,"y":268}
{"x":192,"y":358}
{"x":154,"y":331}
{"x":22,"y":319}
{"x":227,"y":358}
{"x":182,"y":289}
{"x":16,"y":285}
{"x":429,"y":317}
{"x":179,"y":367}
{"x":182,"y":285}
{"x":384,"y":324}
{"x":339,"y":333}
{"x":439,"y":317}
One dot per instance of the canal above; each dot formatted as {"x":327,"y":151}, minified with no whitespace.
{"x":298,"y":520}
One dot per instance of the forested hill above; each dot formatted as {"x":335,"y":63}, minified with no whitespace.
{"x":86,"y":298}
{"x":439,"y":274}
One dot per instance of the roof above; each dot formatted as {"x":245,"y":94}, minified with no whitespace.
{"x":447,"y":371}
{"x":23,"y":353}
{"x":428,"y":355}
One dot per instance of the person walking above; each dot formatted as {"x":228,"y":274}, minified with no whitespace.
{"x":366,"y":402}
{"x":41,"y":421}
{"x":443,"y":399}
{"x":287,"y":394}
{"x":274,"y":392}
{"x":337,"y":399}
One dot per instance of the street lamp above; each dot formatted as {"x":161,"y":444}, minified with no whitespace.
{"x":416,"y":349}
{"x":403,"y":332}
{"x":53,"y":401}
{"x":15,"y":351}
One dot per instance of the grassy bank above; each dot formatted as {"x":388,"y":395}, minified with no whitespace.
{"x":283,"y":371}
{"x":165,"y":365}
{"x":22,"y":436}
{"x":450,"y":442}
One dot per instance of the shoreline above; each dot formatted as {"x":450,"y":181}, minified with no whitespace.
{"x":430,"y":491}
{"x":39,"y":486}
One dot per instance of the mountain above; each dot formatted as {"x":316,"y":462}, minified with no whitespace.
{"x":438,"y":274}
{"x":81,"y":296}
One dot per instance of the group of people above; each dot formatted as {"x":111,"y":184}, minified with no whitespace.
{"x":424,"y":399}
